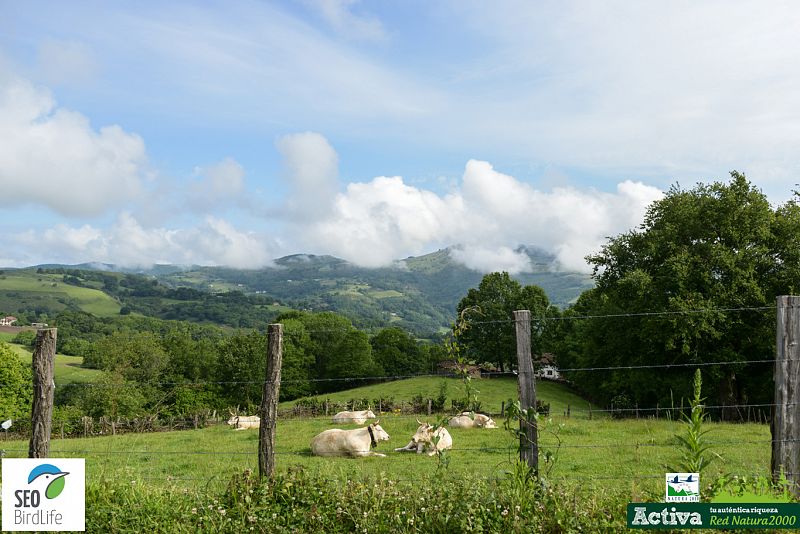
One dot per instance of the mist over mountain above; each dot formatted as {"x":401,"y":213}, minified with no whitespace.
{"x":417,"y":293}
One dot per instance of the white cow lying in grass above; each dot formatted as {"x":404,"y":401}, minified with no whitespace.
{"x":426,"y":439}
{"x":359,"y":417}
{"x":357,"y":442}
{"x":243,"y":422}
{"x":471,"y":420}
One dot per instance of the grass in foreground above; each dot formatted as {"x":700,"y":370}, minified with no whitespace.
{"x":601,"y":454}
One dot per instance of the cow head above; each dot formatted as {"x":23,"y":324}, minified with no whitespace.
{"x":378,"y":433}
{"x":424,"y":433}
{"x":485,"y":421}
{"x":369,"y":415}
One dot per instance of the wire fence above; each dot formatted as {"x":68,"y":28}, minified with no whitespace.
{"x":247,"y":457}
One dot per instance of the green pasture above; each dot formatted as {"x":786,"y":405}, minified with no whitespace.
{"x":7,"y":336}
{"x":493,"y":392}
{"x":35,"y":288}
{"x":612,"y":454}
{"x":388,"y":293}
{"x":68,"y":369}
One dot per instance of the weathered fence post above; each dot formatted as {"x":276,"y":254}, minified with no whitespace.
{"x":529,"y":445}
{"x":786,"y":415}
{"x":269,"y":402}
{"x":43,"y":364}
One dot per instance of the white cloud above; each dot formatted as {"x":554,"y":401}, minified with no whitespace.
{"x":312,"y":170}
{"x":53,"y":156}
{"x":128,"y":243}
{"x":340,"y":15}
{"x":219,"y":185}
{"x":489,"y":259}
{"x":489,"y":216}
{"x":380,"y":221}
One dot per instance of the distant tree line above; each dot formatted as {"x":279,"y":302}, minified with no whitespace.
{"x":151,"y":365}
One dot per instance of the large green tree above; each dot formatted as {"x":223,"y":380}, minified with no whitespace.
{"x":398,"y":353}
{"x":16,"y":385}
{"x":488,"y":311}
{"x":334,"y":349}
{"x":719,"y":247}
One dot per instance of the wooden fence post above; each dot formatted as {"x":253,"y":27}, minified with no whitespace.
{"x":529,"y":445}
{"x":269,"y":402}
{"x":786,"y":415}
{"x":43,"y":363}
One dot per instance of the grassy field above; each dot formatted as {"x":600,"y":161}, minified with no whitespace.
{"x":633,"y":454}
{"x":68,"y":369}
{"x":493,"y":392}
{"x":182,"y":481}
{"x":34,"y":289}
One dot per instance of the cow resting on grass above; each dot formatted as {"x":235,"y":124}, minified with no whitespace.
{"x":359,"y":417}
{"x":357,"y":442}
{"x":428,"y":439}
{"x":470,"y":420}
{"x":243,"y":422}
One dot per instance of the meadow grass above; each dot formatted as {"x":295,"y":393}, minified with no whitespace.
{"x":592,"y":454}
{"x":49,"y":286}
{"x":68,"y":369}
{"x":493,"y":393}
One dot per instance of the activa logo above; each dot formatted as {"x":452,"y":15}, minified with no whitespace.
{"x":672,"y":517}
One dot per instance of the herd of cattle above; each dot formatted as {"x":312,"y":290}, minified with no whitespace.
{"x":360,"y":441}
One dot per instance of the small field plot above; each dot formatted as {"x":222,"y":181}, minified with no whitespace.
{"x":46,"y":290}
{"x":68,"y":369}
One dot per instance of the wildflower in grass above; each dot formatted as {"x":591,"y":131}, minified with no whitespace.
{"x":194,"y":510}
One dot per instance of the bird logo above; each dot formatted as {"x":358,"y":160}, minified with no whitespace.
{"x":51,"y":473}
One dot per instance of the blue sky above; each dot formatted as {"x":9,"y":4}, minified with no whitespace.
{"x":232,"y":133}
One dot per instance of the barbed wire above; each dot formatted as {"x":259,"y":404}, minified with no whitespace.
{"x":511,"y":447}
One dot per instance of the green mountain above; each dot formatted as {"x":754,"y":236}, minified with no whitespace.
{"x":419,"y":294}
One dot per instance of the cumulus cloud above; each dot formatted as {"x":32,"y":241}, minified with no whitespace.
{"x":53,"y":157}
{"x":218,"y":186}
{"x":312,"y":171}
{"x":488,"y":216}
{"x":128,"y":243}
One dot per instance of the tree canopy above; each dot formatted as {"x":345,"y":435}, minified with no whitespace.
{"x":488,"y":311}
{"x":713,"y":258}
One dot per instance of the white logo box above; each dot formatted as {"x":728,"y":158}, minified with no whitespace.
{"x":44,"y":494}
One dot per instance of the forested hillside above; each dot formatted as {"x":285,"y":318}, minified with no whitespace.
{"x":418,"y":294}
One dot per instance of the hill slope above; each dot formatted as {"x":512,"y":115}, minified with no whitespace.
{"x":417,"y":293}
{"x":26,"y":291}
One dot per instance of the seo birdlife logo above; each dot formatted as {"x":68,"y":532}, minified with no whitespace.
{"x":44,"y":494}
